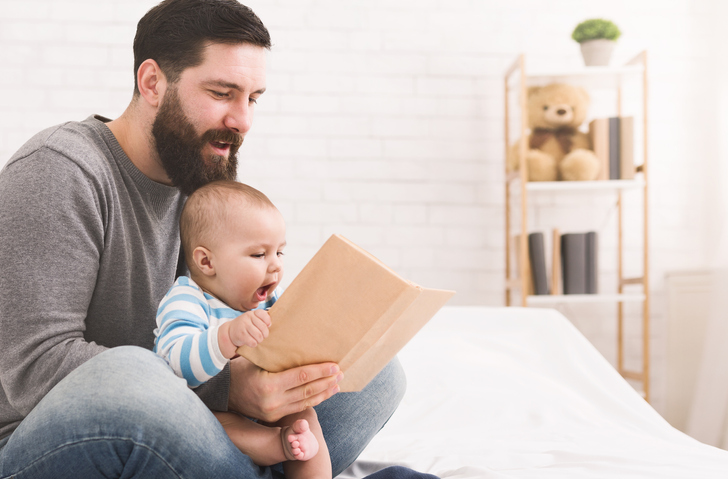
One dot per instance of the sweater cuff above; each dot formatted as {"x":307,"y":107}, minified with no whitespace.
{"x":214,"y":393}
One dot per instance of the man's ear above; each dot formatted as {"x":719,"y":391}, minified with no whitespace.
{"x":202,"y":258}
{"x":151,"y":82}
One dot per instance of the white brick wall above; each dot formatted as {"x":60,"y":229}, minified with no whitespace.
{"x":383,"y":119}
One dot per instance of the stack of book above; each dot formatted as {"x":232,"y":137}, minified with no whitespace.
{"x":574,"y":263}
{"x":613,"y":143}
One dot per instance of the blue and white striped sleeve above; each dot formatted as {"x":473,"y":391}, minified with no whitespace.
{"x":185,"y":337}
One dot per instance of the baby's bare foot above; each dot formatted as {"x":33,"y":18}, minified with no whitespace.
{"x":299,"y":443}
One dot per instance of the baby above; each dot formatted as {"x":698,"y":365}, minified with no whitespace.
{"x":233,"y":238}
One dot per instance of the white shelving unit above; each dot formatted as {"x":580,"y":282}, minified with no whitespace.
{"x":518,"y":190}
{"x":551,"y":299}
{"x":616,"y":185}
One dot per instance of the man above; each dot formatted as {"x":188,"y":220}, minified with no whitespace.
{"x":88,"y":227}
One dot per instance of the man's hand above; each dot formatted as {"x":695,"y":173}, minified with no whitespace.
{"x":257,"y":393}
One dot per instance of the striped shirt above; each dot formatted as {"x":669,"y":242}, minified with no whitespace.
{"x":186,"y":335}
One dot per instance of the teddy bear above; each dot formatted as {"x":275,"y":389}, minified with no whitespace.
{"x":556,"y":149}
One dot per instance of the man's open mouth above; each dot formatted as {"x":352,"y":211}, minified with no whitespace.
{"x":220,"y":147}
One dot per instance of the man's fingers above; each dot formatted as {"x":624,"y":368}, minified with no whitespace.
{"x":311,"y":391}
{"x":313,"y":399}
{"x":271,"y":396}
{"x":293,"y":378}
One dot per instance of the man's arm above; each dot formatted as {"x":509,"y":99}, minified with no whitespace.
{"x":51,"y":235}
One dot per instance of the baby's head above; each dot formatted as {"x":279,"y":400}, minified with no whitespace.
{"x":233,"y":238}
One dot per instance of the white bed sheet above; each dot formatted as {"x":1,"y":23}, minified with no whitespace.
{"x":520,"y":393}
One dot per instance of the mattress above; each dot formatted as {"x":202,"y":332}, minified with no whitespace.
{"x":520,"y":393}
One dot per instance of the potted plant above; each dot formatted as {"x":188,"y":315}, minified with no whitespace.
{"x":597,"y":38}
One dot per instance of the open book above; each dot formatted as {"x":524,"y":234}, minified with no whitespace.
{"x":345,"y":306}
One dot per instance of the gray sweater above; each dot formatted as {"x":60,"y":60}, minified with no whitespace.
{"x":90,"y":247}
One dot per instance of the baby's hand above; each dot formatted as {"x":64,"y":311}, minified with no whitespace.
{"x":249,"y":328}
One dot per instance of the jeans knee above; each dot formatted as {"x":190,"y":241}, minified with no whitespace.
{"x":391,"y":383}
{"x":126,"y":406}
{"x":126,"y":388}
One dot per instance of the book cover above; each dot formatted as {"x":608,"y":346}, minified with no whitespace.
{"x":614,"y":149}
{"x":626,"y":148}
{"x":591,"y":262}
{"x":573,"y":262}
{"x":537,"y":256}
{"x":348,"y":307}
{"x":599,"y":135}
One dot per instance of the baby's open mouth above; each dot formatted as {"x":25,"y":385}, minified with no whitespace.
{"x":261,"y":294}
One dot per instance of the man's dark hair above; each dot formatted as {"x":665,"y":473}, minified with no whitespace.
{"x":175,"y":32}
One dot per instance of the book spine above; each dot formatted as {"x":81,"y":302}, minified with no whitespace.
{"x":591,"y":262}
{"x":614,"y":166}
{"x":526,"y":259}
{"x":537,"y":255}
{"x":555,"y":262}
{"x":573,"y":258}
{"x":626,"y":147}
{"x":599,"y":136}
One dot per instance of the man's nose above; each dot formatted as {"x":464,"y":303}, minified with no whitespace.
{"x":239,"y":118}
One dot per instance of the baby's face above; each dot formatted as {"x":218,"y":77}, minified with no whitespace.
{"x":249,"y":258}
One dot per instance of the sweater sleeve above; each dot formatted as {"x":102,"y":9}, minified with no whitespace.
{"x":51,"y":236}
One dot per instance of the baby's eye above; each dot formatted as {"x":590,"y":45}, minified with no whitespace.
{"x":258,"y":255}
{"x":280,"y":253}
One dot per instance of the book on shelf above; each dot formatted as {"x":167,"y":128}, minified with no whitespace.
{"x":348,"y":307}
{"x":591,"y":263}
{"x":526,"y":260}
{"x":555,"y":262}
{"x":537,"y":257}
{"x":613,"y":143}
{"x":614,"y":170}
{"x":626,"y":148}
{"x":579,"y":267}
{"x":599,"y":135}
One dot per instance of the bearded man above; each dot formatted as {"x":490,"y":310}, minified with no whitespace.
{"x":89,"y":230}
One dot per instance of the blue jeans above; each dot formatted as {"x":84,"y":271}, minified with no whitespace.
{"x":125,"y":414}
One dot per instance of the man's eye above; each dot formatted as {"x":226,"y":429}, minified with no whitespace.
{"x":252,"y":100}
{"x":218,"y":94}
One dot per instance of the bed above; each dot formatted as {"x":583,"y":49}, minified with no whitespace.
{"x":520,"y":393}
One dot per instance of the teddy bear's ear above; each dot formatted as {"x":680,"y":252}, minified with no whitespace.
{"x":583,"y":95}
{"x":532,"y":90}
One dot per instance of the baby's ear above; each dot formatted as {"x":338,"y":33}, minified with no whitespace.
{"x":202,"y":259}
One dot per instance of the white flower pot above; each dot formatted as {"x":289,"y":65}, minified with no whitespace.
{"x":597,"y":52}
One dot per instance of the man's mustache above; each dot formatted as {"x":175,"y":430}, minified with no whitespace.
{"x":223,"y":136}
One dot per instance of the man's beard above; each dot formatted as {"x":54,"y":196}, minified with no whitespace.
{"x":180,"y":148}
